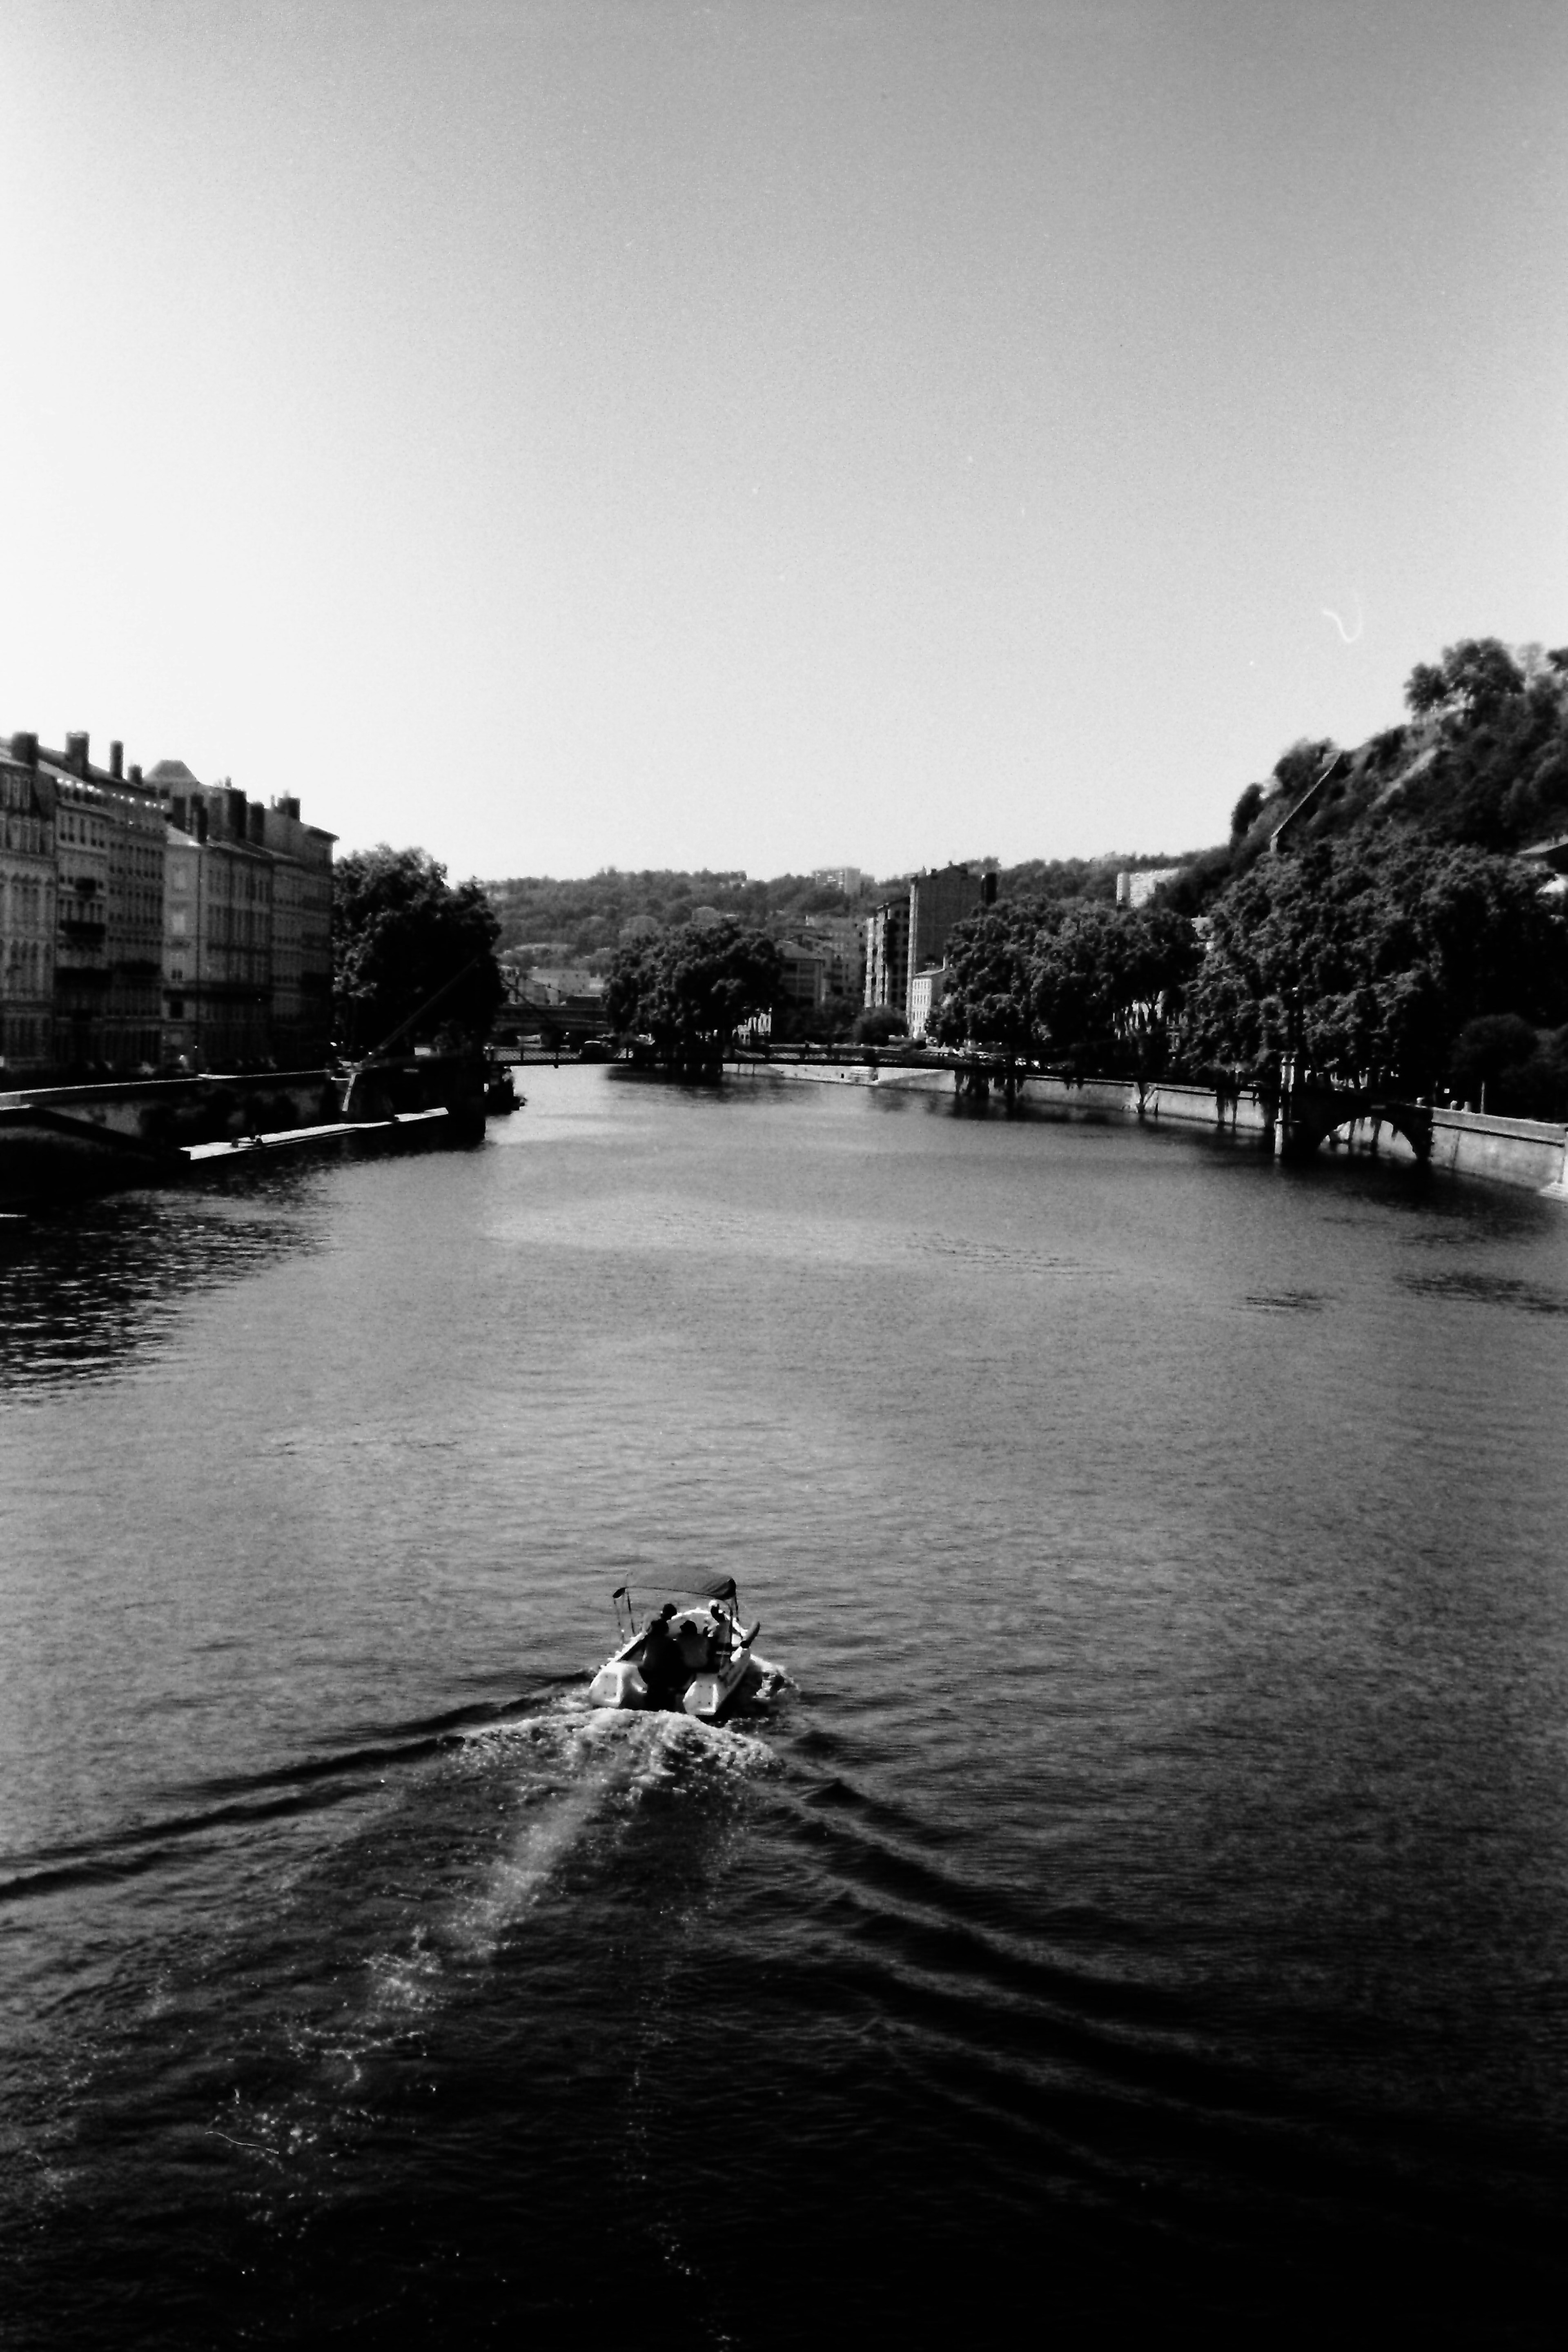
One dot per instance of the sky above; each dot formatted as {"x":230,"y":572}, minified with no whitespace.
{"x":771,"y":436}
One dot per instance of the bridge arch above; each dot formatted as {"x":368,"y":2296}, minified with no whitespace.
{"x":1310,"y":1115}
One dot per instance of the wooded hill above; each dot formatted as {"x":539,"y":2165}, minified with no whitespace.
{"x":1480,"y":762}
{"x":585,"y":918}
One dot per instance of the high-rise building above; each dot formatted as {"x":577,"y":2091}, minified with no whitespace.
{"x":909,"y":934}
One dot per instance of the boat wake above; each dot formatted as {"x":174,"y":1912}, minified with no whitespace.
{"x":359,"y":1942}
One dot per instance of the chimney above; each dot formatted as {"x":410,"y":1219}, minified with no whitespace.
{"x":25,"y":750}
{"x":76,"y":754}
{"x":178,"y":813}
{"x":256,"y":824}
{"x":199,"y":811}
{"x":135,"y":773}
{"x":988,"y":889}
{"x":117,"y":761}
{"x":234,"y":813}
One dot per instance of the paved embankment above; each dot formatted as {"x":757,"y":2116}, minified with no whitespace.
{"x":1527,"y":1153}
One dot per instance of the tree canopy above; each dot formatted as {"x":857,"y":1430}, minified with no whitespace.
{"x":1364,"y":958}
{"x":403,"y":936}
{"x":689,"y":990}
{"x":1079,"y":982}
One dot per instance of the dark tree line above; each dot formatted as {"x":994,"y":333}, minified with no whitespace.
{"x":1364,"y":961}
{"x":1090,"y":987}
{"x":1386,"y":961}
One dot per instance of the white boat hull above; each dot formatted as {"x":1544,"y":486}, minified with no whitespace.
{"x":707,"y":1695}
{"x":618,"y":1684}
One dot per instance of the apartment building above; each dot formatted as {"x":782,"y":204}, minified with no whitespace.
{"x":908,"y":935}
{"x":217,"y":923}
{"x":107,"y":874}
{"x":145,"y":920}
{"x":301,"y":858}
{"x":27,"y":913}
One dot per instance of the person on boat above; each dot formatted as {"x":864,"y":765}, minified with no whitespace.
{"x":695,"y":1651}
{"x":660,"y":1664}
{"x":730,"y":1635}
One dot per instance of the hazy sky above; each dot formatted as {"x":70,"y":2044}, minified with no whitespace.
{"x":772,"y":435}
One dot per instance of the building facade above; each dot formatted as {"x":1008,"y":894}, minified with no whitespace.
{"x":926,"y":990}
{"x":888,"y":954}
{"x":1136,"y":890}
{"x":301,"y":858}
{"x":840,"y":941}
{"x":153,"y":920}
{"x":26,"y":914}
{"x":908,"y":935}
{"x":218,"y":925}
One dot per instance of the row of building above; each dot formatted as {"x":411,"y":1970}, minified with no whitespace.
{"x":151,"y":922}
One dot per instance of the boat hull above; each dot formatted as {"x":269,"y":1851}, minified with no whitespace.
{"x":707,"y":1697}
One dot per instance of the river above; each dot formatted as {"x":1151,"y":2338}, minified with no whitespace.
{"x":1140,"y":1888}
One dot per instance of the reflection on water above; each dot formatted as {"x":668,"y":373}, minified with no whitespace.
{"x":1141,"y":1885}
{"x":82,"y":1286}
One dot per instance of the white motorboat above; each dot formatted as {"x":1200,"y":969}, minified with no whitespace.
{"x":691,"y":1654}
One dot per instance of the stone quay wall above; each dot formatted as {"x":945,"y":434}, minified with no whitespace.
{"x":1531,"y":1154}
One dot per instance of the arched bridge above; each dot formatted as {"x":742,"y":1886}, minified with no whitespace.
{"x":1308,"y":1112}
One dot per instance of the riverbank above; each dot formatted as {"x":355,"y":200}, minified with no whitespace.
{"x":1529,"y":1154}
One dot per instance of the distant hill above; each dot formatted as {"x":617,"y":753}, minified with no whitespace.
{"x":587,"y":918}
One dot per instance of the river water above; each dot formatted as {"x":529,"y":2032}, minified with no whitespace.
{"x":1141,"y":1886}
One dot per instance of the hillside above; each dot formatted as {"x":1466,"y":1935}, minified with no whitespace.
{"x":585,"y":919}
{"x":1481,"y":760}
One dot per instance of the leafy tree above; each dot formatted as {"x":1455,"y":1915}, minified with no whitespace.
{"x":1244,"y":815}
{"x":1303,"y":763}
{"x":1473,"y":678}
{"x":1092,"y":985}
{"x":1363,"y":959}
{"x":690,"y":989}
{"x":411,"y":953}
{"x":990,"y":999}
{"x":879,"y":1024}
{"x":1488,"y":1053}
{"x":1426,"y":688}
{"x":1108,"y":983}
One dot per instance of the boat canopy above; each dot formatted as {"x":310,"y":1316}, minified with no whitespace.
{"x":698,"y":1587}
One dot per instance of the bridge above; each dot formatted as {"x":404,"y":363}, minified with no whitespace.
{"x":1307,"y":1112}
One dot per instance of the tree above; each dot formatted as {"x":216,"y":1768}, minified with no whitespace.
{"x":1093,"y":985}
{"x":1474,"y":676}
{"x":1303,"y":763}
{"x":1490,"y":1054}
{"x":411,"y":953}
{"x":877,"y":1024}
{"x":1244,"y":815}
{"x":1108,"y":983}
{"x":1363,"y":959}
{"x":690,"y":989}
{"x":989,"y":1001}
